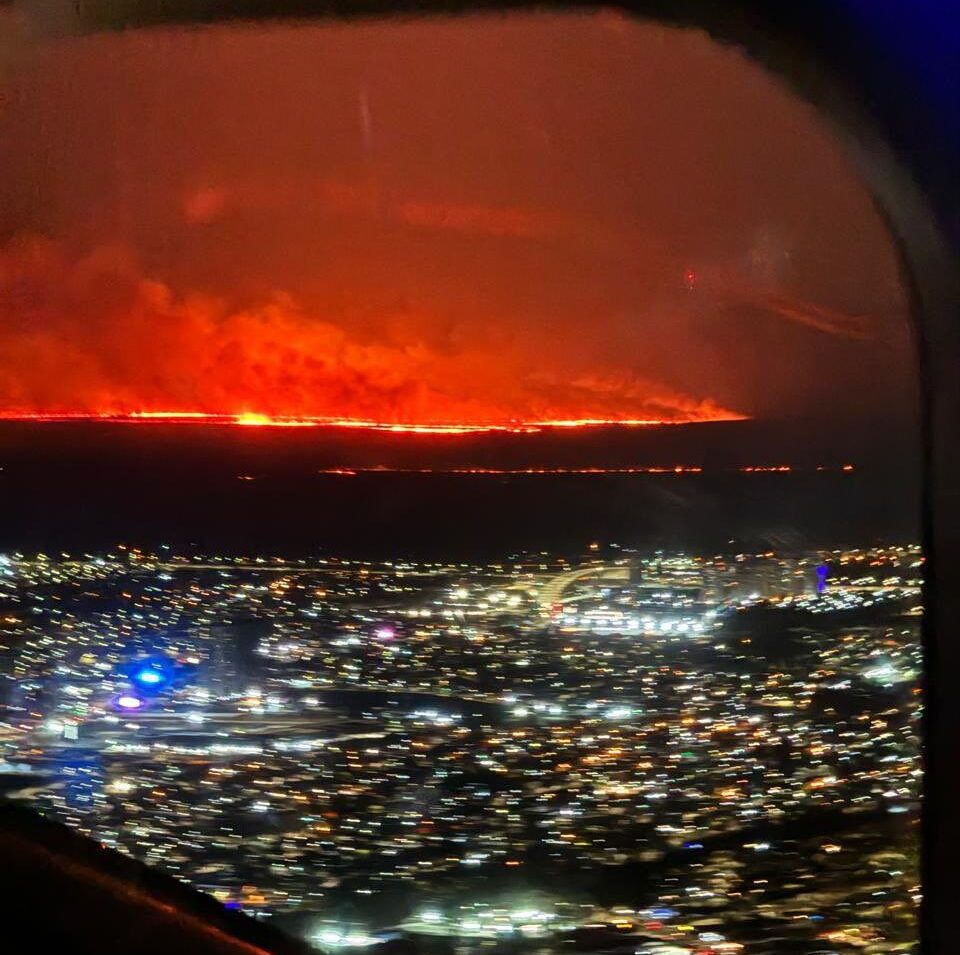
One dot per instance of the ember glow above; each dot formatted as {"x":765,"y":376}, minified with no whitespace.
{"x":93,"y":337}
{"x":254,"y":420}
{"x":553,"y":471}
{"x":408,"y":244}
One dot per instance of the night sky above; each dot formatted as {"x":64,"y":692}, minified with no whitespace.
{"x":474,"y":220}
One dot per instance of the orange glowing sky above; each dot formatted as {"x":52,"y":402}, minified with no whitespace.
{"x":518,"y":222}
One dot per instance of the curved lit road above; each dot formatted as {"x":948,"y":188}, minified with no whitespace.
{"x":552,"y":591}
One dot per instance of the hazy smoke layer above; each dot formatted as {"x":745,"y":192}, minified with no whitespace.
{"x":94,"y":334}
{"x":490,"y":219}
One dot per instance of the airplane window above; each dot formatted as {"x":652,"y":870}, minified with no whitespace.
{"x":461,"y":485}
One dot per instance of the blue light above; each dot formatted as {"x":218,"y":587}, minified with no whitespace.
{"x":663,"y":913}
{"x":150,"y":677}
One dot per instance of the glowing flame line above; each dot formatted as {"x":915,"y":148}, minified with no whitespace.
{"x":255,"y":419}
{"x":351,"y":471}
{"x":524,"y":472}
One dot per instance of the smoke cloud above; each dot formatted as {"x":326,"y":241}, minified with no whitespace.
{"x":477,"y":220}
{"x":93,"y":334}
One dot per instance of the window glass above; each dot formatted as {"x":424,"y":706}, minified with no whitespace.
{"x":461,"y":483}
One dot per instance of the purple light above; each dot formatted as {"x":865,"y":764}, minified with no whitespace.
{"x":384,"y":633}
{"x":129,"y":702}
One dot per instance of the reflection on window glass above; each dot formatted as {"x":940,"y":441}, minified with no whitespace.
{"x":464,"y":486}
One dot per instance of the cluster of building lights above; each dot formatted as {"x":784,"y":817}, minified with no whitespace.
{"x":289,"y":734}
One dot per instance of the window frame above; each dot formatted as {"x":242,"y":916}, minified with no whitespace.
{"x":880,"y":75}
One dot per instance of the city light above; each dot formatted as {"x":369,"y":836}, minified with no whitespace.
{"x":335,"y":937}
{"x":495,"y":739}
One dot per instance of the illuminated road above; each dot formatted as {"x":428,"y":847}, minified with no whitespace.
{"x":144,"y":726}
{"x":298,"y":569}
{"x":177,"y":567}
{"x":552,"y":591}
{"x":147,"y":724}
{"x":872,"y":588}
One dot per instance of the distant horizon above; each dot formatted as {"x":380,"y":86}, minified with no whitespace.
{"x":799,"y":441}
{"x":81,"y":486}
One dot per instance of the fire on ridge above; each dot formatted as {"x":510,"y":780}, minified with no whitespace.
{"x":254,"y":419}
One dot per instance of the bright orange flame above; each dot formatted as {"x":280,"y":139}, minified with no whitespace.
{"x":174,"y":415}
{"x":256,"y":419}
{"x":96,"y":338}
{"x":252,"y":419}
